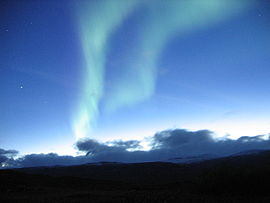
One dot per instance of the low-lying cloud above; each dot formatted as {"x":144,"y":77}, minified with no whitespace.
{"x":7,"y":155}
{"x":168,"y":145}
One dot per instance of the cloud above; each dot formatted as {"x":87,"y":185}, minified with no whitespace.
{"x":166,"y":145}
{"x":111,"y":151}
{"x":6,"y":155}
{"x":94,"y":147}
{"x":180,"y":142}
{"x":171,"y":139}
{"x":170,"y":144}
{"x":51,"y":159}
{"x":131,"y":144}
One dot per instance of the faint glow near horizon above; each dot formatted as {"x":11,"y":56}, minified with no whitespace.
{"x":221,"y":130}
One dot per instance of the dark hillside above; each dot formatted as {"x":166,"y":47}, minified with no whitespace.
{"x":241,"y":178}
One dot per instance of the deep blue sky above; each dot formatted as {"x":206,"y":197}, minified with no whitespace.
{"x":212,"y":77}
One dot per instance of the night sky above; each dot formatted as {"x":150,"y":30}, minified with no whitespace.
{"x":126,"y":69}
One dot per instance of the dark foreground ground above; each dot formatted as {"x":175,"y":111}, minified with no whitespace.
{"x":244,"y":178}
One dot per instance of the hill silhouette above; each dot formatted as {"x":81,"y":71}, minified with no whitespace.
{"x":239,"y":178}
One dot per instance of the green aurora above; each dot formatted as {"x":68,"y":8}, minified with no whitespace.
{"x":164,"y":20}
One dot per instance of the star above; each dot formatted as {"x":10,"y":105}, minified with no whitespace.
{"x":21,"y":87}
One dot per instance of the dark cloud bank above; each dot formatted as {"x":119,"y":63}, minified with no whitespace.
{"x":169,"y":145}
{"x":6,"y":155}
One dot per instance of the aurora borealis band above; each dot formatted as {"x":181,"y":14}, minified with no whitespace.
{"x":72,"y":70}
{"x":161,"y":22}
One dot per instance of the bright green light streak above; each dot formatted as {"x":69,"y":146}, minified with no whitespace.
{"x":97,"y":21}
{"x":164,"y":20}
